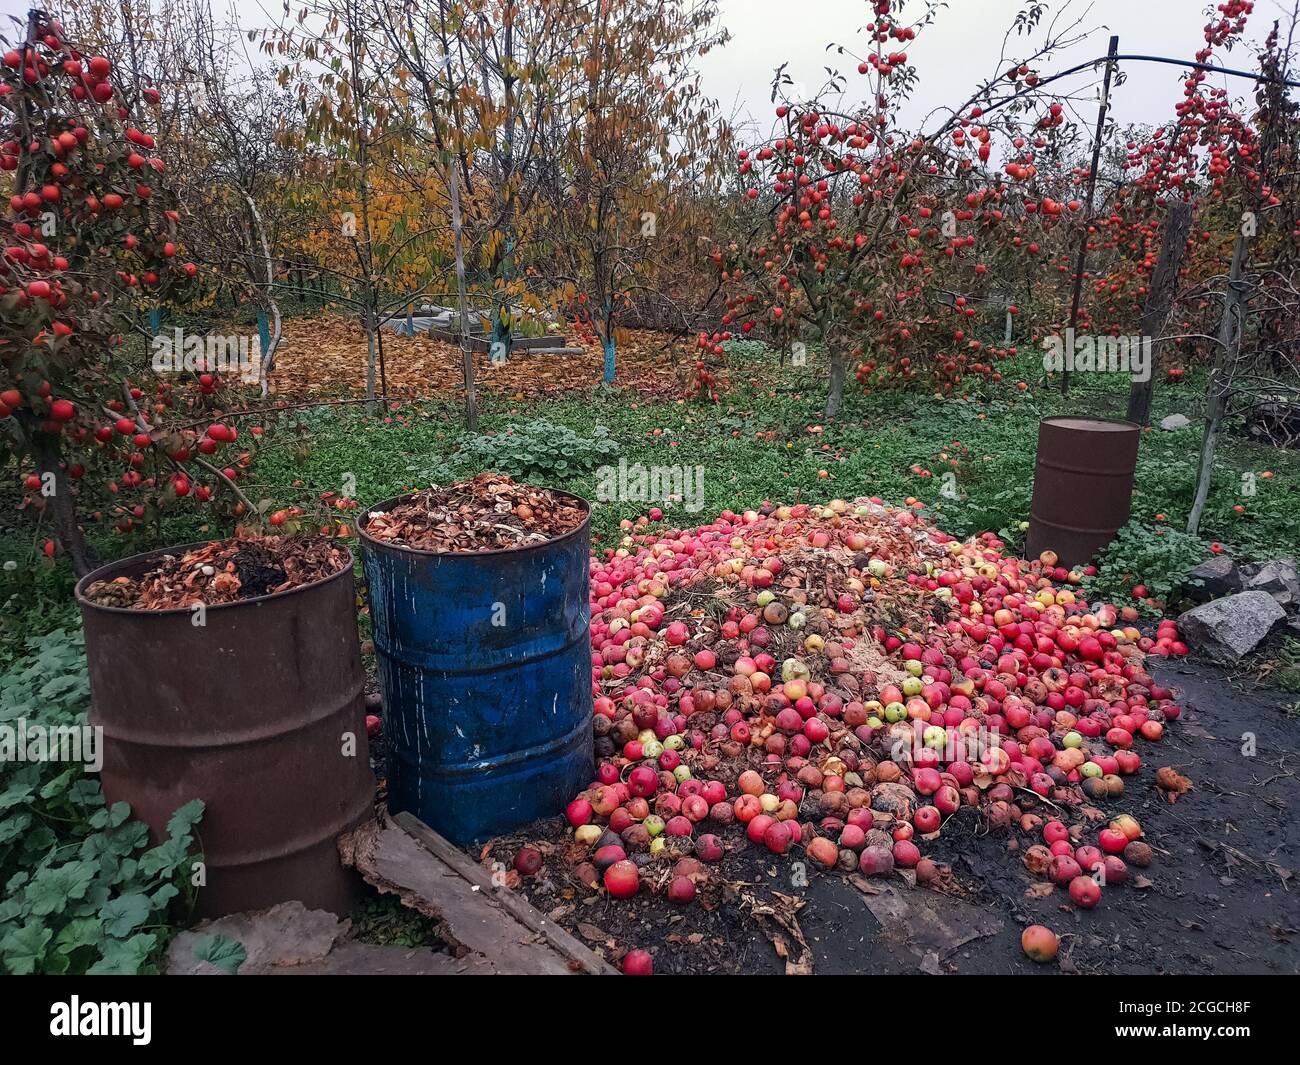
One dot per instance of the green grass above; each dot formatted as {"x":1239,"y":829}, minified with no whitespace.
{"x":870,"y":449}
{"x":383,"y":920}
{"x":1286,"y":665}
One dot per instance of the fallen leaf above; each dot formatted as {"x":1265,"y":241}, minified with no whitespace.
{"x":1172,"y":783}
{"x":590,"y":931}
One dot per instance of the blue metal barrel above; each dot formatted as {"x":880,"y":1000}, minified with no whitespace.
{"x":485,"y":663}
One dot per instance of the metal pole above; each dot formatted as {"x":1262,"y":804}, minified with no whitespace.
{"x":1082,"y":259}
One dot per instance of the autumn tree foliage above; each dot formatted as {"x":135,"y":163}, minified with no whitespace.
{"x":876,"y":241}
{"x":487,"y":88}
{"x":888,"y":246}
{"x":622,"y":184}
{"x":90,"y":236}
{"x":1209,"y":155}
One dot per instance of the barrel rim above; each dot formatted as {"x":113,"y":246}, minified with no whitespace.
{"x":139,"y":560}
{"x":373,"y":543}
{"x":1055,"y":420}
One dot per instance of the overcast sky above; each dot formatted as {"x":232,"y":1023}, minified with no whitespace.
{"x":951,"y":56}
{"x":962,"y":47}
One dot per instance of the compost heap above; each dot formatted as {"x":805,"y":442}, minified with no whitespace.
{"x":490,"y":512}
{"x":225,"y":571}
{"x":837,"y":682}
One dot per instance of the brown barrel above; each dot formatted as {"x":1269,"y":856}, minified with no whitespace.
{"x":250,"y":713}
{"x":1083,"y":486}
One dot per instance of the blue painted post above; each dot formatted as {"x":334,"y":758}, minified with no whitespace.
{"x":264,"y":330}
{"x":608,"y":344}
{"x":155,"y":320}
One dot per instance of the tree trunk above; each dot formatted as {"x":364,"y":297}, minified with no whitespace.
{"x":467,"y":354}
{"x":62,"y":508}
{"x":610,"y":347}
{"x":502,"y":323}
{"x":839,"y":366}
{"x":1164,"y":283}
{"x":268,"y":356}
{"x":370,"y":352}
{"x":1230,"y":331}
{"x":835,"y":394}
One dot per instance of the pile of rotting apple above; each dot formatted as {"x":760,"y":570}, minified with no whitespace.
{"x":837,"y":681}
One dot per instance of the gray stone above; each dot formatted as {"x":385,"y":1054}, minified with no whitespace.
{"x":1229,"y":628}
{"x":1278,"y":578}
{"x":286,"y":934}
{"x":1212,"y":578}
{"x":289,"y":939}
{"x":1175,"y":421}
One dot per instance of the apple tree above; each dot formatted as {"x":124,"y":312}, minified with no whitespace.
{"x":882,"y":242}
{"x":90,"y":233}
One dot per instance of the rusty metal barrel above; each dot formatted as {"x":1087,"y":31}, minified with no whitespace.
{"x":259,"y":711}
{"x":1083,"y":486}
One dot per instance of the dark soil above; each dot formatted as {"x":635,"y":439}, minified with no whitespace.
{"x":1220,"y":896}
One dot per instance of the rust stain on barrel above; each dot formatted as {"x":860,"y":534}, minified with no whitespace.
{"x":259,"y":712}
{"x":1083,"y":486}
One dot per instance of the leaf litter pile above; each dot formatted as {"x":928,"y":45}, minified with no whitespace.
{"x":490,"y":512}
{"x":839,"y":690}
{"x":246,"y":566}
{"x":321,"y":355}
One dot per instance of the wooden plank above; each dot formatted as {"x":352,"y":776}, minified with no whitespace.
{"x":491,"y":928}
{"x":481,"y":341}
{"x":469,"y":921}
{"x":519,"y":907}
{"x":545,"y":342}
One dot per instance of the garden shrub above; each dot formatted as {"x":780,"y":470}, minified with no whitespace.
{"x":540,"y":449}
{"x":1158,"y":559}
{"x":83,"y":890}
